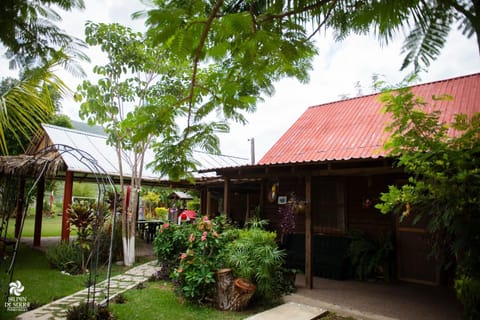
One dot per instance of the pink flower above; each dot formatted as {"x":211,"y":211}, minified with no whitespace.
{"x":192,"y":238}
{"x":204,"y":235}
{"x":180,"y":270}
{"x":166,"y":225}
{"x":183,"y":256}
{"x":215,"y":234}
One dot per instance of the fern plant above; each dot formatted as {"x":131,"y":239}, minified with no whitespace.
{"x":255,"y":256}
{"x":370,"y":256}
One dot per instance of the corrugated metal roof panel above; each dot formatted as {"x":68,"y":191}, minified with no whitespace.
{"x":106,"y":155}
{"x":354,"y":128}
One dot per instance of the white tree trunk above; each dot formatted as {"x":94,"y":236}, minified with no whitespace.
{"x":128,"y":250}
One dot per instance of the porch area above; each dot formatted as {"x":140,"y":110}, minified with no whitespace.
{"x":378,"y":300}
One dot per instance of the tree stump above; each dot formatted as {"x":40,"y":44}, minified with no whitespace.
{"x":243,"y":291}
{"x":224,"y":288}
{"x":233,"y":294}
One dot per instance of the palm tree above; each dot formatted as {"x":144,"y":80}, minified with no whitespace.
{"x":28,"y":103}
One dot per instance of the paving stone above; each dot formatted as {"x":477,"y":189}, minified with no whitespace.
{"x":57,"y":310}
{"x":290,"y":311}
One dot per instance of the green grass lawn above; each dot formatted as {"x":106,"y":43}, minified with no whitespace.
{"x":158,"y":301}
{"x":42,"y":284}
{"x":51,"y":227}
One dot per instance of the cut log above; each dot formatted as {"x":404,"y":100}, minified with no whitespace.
{"x":224,"y":288}
{"x":233,"y":294}
{"x":243,"y":291}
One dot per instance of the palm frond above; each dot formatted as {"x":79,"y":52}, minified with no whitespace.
{"x":426,"y":39}
{"x":28,"y":103}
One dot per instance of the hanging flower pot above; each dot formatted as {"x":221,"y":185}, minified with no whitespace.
{"x":299,"y":207}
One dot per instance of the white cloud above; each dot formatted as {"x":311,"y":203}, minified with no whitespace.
{"x":338,"y":67}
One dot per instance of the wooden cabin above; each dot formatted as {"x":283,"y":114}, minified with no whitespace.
{"x":333,"y":162}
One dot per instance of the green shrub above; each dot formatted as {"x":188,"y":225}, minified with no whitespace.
{"x":371,"y":256}
{"x":169,"y":243}
{"x":104,"y":238}
{"x":85,"y":311}
{"x":468,"y":292}
{"x":195,"y":275}
{"x":255,"y":256}
{"x":161,"y":213}
{"x":65,"y":257}
{"x":196,"y":251}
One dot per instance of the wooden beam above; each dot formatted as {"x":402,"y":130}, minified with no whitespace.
{"x":308,"y":234}
{"x":37,"y":233}
{"x":67,"y":201}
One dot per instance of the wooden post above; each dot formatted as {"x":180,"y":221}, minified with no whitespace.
{"x":247,"y":211}
{"x":209,"y":203}
{"x":67,"y":201}
{"x":37,"y":233}
{"x":226,"y":192}
{"x":20,"y":206}
{"x":308,"y":234}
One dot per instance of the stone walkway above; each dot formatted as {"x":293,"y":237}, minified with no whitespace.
{"x":290,"y":311}
{"x":57,"y":310}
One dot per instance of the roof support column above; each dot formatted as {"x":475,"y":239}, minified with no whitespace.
{"x":226,"y":193}
{"x":37,"y":233}
{"x":208,"y":201}
{"x":20,"y":206}
{"x":67,"y":201}
{"x":308,"y":233}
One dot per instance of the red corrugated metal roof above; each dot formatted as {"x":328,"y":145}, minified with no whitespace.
{"x":354,"y":128}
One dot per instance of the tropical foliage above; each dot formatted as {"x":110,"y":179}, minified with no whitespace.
{"x":127,"y":102}
{"x":443,"y":162}
{"x":254,"y":255}
{"x":29,"y":32}
{"x":194,"y":252}
{"x":26,"y":103}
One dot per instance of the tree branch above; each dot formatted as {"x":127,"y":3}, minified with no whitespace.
{"x":299,"y":10}
{"x":196,"y":61}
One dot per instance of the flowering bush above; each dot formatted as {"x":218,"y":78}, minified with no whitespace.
{"x":170,"y":242}
{"x":195,"y":274}
{"x":194,"y":252}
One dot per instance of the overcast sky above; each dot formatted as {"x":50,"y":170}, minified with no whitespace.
{"x":338,"y":67}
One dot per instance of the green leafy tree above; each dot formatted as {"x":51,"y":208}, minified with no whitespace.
{"x":61,"y":120}
{"x":442,"y":160}
{"x":230,"y":61}
{"x":273,"y":37}
{"x":29,"y":32}
{"x":36,"y":46}
{"x":233,"y":52}
{"x":426,"y":24}
{"x":132,"y":100}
